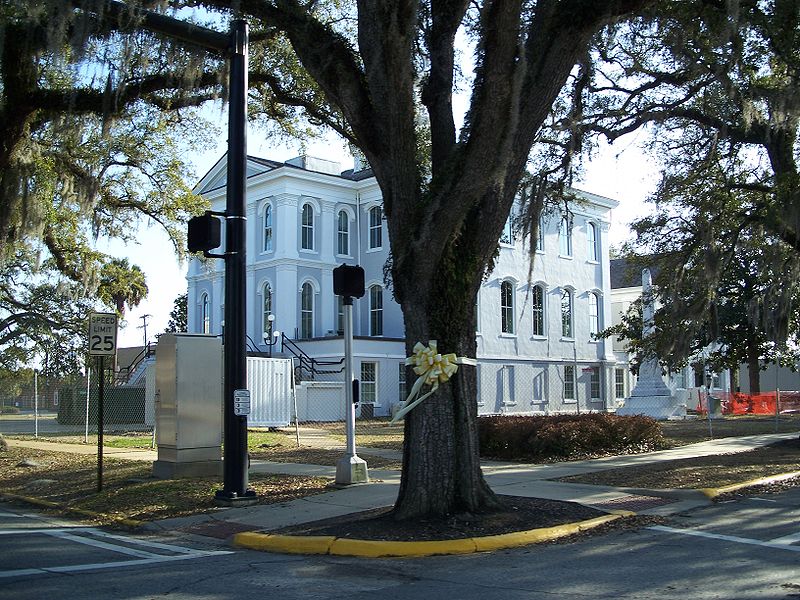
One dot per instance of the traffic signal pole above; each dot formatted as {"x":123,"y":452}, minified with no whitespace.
{"x":235,"y":482}
{"x":233,"y":46}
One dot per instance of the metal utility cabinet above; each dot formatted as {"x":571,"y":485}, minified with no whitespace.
{"x":188,"y":402}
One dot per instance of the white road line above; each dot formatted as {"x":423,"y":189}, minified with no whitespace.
{"x":111,"y":565}
{"x":43,"y":531}
{"x":21,"y":573}
{"x":89,"y":535}
{"x":102,"y":534}
{"x":146,"y":543}
{"x":71,"y":537}
{"x":786,"y":539}
{"x":727,"y":538}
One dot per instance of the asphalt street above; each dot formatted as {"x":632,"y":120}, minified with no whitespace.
{"x":28,"y":424}
{"x":748,"y":548}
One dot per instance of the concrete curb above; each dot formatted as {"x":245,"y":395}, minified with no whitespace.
{"x":712,"y":493}
{"x":132,"y":523}
{"x":298,"y":544}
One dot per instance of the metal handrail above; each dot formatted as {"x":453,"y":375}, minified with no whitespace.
{"x":123,"y":375}
{"x":251,"y":344}
{"x":307,"y":362}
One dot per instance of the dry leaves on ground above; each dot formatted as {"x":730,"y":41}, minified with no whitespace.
{"x":129,"y":490}
{"x":702,"y":472}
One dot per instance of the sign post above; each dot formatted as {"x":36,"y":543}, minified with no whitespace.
{"x":102,"y":343}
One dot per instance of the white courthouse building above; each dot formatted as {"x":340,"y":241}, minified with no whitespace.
{"x":535,"y":344}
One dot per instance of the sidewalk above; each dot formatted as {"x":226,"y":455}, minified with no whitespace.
{"x":121,"y":453}
{"x":515,"y":479}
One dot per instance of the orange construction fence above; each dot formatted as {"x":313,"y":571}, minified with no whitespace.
{"x":751,"y":404}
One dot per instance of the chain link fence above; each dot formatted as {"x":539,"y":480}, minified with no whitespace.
{"x":68,"y":408}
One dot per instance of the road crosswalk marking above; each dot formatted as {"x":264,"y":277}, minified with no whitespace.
{"x":776,"y":543}
{"x":145,"y":552}
{"x":786,"y":540}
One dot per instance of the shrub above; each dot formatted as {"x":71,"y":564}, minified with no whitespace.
{"x":542,"y":438}
{"x":9,"y":410}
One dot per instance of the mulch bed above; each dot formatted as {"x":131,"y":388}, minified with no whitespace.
{"x":516,"y":514}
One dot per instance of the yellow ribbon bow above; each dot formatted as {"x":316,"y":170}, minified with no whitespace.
{"x":432,"y":369}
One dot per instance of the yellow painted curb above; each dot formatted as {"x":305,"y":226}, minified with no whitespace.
{"x":69,"y":509}
{"x":537,"y":536}
{"x":299,"y":544}
{"x":289,"y":544}
{"x":712,"y":493}
{"x":30,"y":500}
{"x":377,"y":548}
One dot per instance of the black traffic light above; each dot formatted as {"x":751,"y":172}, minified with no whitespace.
{"x":348,"y":281}
{"x":204,"y":233}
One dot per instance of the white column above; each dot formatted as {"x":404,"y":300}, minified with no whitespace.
{"x":252,"y":233}
{"x":328,"y":233}
{"x":191,"y":305}
{"x":327,"y":301}
{"x":285,"y":226}
{"x":250,"y":327}
{"x":285,"y":295}
{"x":217,"y":302}
{"x":605,"y":285}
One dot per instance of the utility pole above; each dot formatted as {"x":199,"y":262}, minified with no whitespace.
{"x":144,"y":326}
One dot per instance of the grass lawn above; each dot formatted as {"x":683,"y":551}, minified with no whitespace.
{"x":129,"y":491}
{"x":370,"y":433}
{"x":690,"y":431}
{"x":281,"y":446}
{"x":134,"y":439}
{"x":705,"y":471}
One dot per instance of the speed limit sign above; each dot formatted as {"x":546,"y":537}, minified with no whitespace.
{"x":102,"y":334}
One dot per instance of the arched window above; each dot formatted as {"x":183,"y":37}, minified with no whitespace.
{"x":205,"y":312}
{"x":537,"y":304}
{"x":507,"y":306}
{"x":566,"y":314}
{"x":343,"y":240}
{"x":594,"y":313}
{"x":507,"y":237}
{"x":376,"y":310}
{"x":375,"y":227}
{"x":267,"y":312}
{"x":565,"y":237}
{"x":307,"y":228}
{"x":306,"y":311}
{"x":540,"y":236}
{"x":591,"y":241}
{"x":268,"y":228}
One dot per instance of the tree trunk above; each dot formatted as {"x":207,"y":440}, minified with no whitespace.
{"x":441,"y":462}
{"x":753,"y":366}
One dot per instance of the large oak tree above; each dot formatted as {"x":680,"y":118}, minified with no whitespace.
{"x":445,"y":216}
{"x":382,"y":73}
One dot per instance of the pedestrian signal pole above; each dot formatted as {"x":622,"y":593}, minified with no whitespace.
{"x":348,"y":282}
